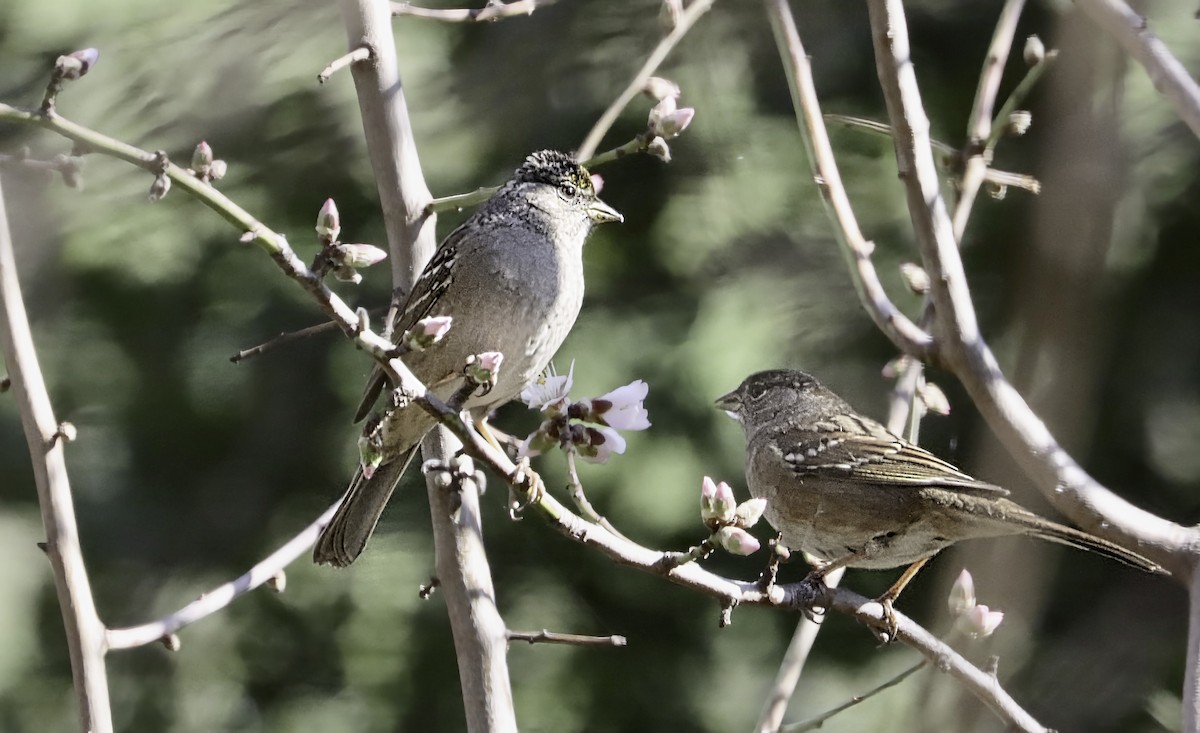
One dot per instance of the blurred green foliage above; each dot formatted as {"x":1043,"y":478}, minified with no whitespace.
{"x":189,"y":469}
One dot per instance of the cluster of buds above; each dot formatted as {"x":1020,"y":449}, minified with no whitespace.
{"x":588,"y":427}
{"x":205,"y":166}
{"x":344,"y":259}
{"x":974,"y":619}
{"x":729,"y":520}
{"x":666,"y":118}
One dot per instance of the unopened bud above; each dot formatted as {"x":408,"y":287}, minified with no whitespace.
{"x":737,"y":541}
{"x":75,"y":65}
{"x":171,"y":642}
{"x":979,"y":621}
{"x":329,"y":222}
{"x":749,"y":512}
{"x":67,"y":432}
{"x":1035,"y":51}
{"x":217,"y":170}
{"x":658,"y":88}
{"x":658,"y":148}
{"x":484,"y":368}
{"x":671,"y":125}
{"x":668,"y":14}
{"x":1019,"y":122}
{"x":962,"y":594}
{"x":202,"y":158}
{"x":358,"y":255}
{"x":278,"y":582}
{"x":915,"y":277}
{"x":934,"y":398}
{"x":160,"y":187}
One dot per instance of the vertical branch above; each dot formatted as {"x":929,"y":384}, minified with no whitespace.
{"x":1191,"y":679}
{"x":465,"y":579}
{"x":85,"y":632}
{"x":403,"y":194}
{"x":479,"y":632}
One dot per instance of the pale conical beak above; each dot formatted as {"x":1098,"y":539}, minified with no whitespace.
{"x":601,"y":212}
{"x":731,"y":404}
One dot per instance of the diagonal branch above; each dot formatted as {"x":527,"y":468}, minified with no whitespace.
{"x":1169,"y":77}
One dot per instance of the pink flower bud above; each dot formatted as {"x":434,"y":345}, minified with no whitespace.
{"x":737,"y":541}
{"x":329,"y":222}
{"x":358,"y":255}
{"x":934,"y":398}
{"x":671,"y":125}
{"x":717,"y":503}
{"x":962,"y":594}
{"x":75,"y":65}
{"x":658,"y":148}
{"x":749,"y":512}
{"x":658,"y":88}
{"x":979,"y":621}
{"x":202,"y":158}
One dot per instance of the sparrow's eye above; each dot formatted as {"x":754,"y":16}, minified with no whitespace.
{"x":570,"y":190}
{"x":756,"y":391}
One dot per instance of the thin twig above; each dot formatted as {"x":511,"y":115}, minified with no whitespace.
{"x":979,"y":125}
{"x":221,"y":596}
{"x":581,"y":500}
{"x":818,"y":721}
{"x":362,"y":53}
{"x":282,"y":339}
{"x":551,"y":637}
{"x":493,"y":10}
{"x":290,"y":336}
{"x":686,"y":19}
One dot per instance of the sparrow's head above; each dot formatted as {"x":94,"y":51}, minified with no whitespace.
{"x":764,"y":395}
{"x":549,"y":171}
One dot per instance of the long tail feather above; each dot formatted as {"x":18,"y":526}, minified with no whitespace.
{"x":346,"y":535}
{"x":1071,"y":537}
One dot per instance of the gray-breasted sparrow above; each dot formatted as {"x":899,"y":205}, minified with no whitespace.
{"x":511,"y":277}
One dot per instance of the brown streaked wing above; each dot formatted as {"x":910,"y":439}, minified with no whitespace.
{"x":853,"y":446}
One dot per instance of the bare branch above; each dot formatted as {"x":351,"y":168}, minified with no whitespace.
{"x":492,"y":11}
{"x":84,"y":630}
{"x":354,"y":55}
{"x":550,"y":637}
{"x":1169,"y":76}
{"x":218,"y":598}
